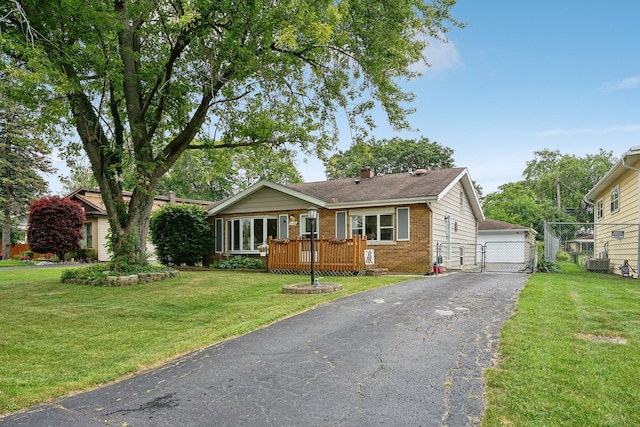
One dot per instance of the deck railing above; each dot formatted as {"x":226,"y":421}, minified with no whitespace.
{"x":331,"y":255}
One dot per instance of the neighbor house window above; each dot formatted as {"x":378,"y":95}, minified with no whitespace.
{"x":600,"y":208}
{"x":87,"y":236}
{"x":246,"y":234}
{"x":615,"y":199}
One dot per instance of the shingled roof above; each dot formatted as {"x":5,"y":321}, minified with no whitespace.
{"x":429,"y":184}
{"x":495,"y":225}
{"x":422,"y":186}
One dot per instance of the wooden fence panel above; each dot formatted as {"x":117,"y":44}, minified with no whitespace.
{"x":21,"y":247}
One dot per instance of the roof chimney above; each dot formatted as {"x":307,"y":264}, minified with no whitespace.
{"x":366,"y":172}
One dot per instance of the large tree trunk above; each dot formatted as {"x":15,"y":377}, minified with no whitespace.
{"x":6,"y":214}
{"x":129,"y":228}
{"x":6,"y":231}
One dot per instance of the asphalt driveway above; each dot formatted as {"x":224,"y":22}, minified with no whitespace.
{"x":411,"y":354}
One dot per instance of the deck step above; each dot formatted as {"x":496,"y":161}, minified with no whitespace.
{"x":377,"y":271}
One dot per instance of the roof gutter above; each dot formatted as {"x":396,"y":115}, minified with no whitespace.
{"x":624,"y":164}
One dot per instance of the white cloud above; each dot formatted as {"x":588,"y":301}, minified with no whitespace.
{"x":588,"y":131}
{"x":628,"y":83}
{"x":440,"y":56}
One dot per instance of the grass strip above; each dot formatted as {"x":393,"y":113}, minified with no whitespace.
{"x":569,"y":354}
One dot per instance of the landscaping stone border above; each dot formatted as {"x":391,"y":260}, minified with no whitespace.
{"x":132,"y":279}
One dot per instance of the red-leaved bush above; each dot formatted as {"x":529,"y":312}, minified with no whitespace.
{"x":55,"y":225}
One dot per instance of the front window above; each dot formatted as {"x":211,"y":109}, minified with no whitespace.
{"x":305,"y":227}
{"x":246,"y":234}
{"x":615,"y":199}
{"x":375,"y":226}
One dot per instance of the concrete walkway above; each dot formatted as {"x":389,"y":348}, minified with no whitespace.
{"x":411,"y":354}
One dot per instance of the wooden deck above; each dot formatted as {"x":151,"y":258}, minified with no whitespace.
{"x":331,"y":255}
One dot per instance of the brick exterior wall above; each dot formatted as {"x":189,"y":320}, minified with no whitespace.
{"x":413,"y":256}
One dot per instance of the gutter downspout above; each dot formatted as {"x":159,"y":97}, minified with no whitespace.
{"x":625,"y":165}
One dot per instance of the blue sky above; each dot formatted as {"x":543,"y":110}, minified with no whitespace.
{"x":524,"y":76}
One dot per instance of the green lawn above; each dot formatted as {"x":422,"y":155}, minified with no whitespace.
{"x":59,"y":338}
{"x":560,"y":365}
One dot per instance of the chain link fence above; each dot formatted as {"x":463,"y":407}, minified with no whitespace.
{"x":612,"y":248}
{"x":493,"y":256}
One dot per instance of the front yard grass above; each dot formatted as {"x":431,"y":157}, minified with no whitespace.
{"x":563,"y":360}
{"x":58,"y":338}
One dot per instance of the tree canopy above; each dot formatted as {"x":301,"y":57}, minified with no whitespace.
{"x":215,"y":174}
{"x":210,"y":174}
{"x":143,"y":78}
{"x":553,"y":190}
{"x":395,"y":155}
{"x":565,"y":179}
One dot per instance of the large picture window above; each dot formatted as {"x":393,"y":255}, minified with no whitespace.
{"x":246,"y":234}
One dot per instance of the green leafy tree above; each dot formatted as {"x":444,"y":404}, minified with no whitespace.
{"x":80,"y":176}
{"x":181,"y":234}
{"x":216,"y":174}
{"x":564,"y":179}
{"x":393,"y":155}
{"x":143,"y":77}
{"x":17,"y":234}
{"x":209,"y":174}
{"x":517,"y":203}
{"x":23,"y":150}
{"x":55,"y":225}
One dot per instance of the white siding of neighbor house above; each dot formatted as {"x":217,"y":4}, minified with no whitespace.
{"x":266,"y":200}
{"x":450,"y":206}
{"x":619,"y":250}
{"x":103,"y":230}
{"x":151,"y":252}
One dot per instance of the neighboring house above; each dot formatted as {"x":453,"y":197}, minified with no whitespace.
{"x":581,"y":244}
{"x":96,"y":226}
{"x":504,"y":242}
{"x":616,"y":201}
{"x":405,"y":217}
